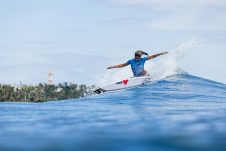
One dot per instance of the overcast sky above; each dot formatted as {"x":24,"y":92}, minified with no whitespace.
{"x":78,"y":39}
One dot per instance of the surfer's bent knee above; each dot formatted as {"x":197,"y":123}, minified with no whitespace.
{"x":146,"y":73}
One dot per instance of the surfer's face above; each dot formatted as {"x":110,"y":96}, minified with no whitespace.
{"x":137,"y":57}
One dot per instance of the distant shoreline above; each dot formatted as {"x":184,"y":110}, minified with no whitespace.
{"x":43,"y":92}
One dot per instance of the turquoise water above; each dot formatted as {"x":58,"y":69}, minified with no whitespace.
{"x":181,"y":112}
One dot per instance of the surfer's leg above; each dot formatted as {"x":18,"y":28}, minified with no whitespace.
{"x":145,"y":73}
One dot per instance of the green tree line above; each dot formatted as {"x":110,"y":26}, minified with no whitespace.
{"x":43,"y":92}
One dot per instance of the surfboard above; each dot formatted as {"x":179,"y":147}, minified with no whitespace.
{"x":124,"y":84}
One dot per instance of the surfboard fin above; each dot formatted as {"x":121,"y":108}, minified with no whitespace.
{"x":100,"y":90}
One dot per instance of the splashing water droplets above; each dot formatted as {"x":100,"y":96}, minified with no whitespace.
{"x":169,"y":64}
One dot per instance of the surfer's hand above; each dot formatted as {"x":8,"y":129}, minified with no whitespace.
{"x":145,"y":53}
{"x":164,"y":53}
{"x":109,"y":67}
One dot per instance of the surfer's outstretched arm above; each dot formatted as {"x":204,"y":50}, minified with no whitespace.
{"x":156,"y":55}
{"x":118,"y":66}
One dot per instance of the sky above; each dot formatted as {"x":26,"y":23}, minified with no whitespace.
{"x":78,"y":39}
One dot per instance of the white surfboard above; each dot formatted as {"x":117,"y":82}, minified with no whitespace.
{"x":124,"y":84}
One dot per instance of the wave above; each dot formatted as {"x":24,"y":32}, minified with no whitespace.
{"x":178,"y":86}
{"x":178,"y":112}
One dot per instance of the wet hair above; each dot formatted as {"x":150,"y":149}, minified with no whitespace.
{"x":138,"y":53}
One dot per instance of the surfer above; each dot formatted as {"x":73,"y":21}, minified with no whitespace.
{"x":137,"y":64}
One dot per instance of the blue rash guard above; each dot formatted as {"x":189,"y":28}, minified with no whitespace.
{"x":137,"y":66}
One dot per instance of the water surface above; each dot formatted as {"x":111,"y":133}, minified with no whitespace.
{"x":181,"y":112}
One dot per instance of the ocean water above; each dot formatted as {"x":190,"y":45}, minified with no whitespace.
{"x":180,"y":112}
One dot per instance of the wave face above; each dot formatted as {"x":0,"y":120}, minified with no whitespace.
{"x":179,"y":112}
